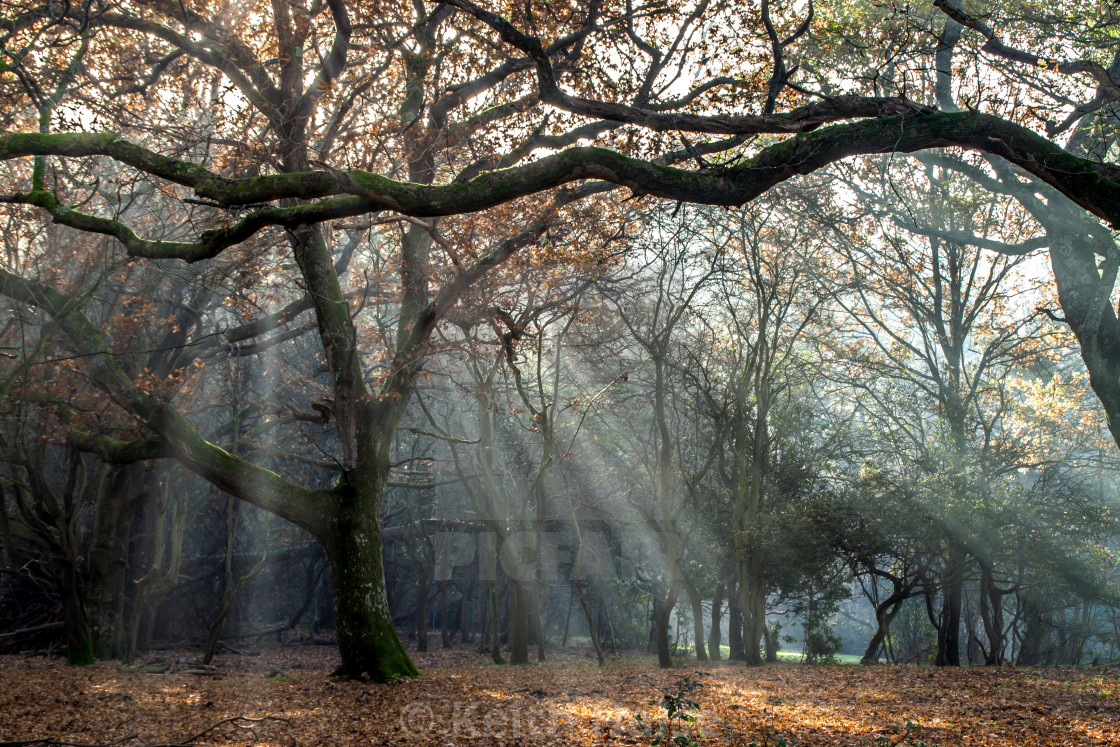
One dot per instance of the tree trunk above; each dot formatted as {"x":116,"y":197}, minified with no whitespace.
{"x":714,"y":633}
{"x":586,"y":606}
{"x":991,"y":614}
{"x":664,"y":657}
{"x":753,"y":466}
{"x":79,"y":642}
{"x":465,"y":634}
{"x":697,"y":618}
{"x":883,"y":618}
{"x":165,"y":520}
{"x":1085,"y":292}
{"x":539,"y":599}
{"x":444,"y":630}
{"x":567,"y":620}
{"x":518,"y":623}
{"x":605,"y":613}
{"x":228,"y":584}
{"x":107,"y":579}
{"x":734,"y":625}
{"x":752,"y":607}
{"x":367,"y":641}
{"x":422,"y":587}
{"x":885,"y":612}
{"x":495,"y":633}
{"x":770,"y":644}
{"x":949,"y":631}
{"x":871,"y":653}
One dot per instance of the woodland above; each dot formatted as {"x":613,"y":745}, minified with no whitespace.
{"x":594,"y":339}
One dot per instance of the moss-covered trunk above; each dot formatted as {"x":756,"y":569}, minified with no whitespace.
{"x":107,"y":568}
{"x":367,"y":641}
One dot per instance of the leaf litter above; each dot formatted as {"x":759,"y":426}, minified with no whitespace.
{"x":283,"y":696}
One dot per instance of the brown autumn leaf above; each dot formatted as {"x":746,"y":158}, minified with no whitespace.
{"x":461,"y":699}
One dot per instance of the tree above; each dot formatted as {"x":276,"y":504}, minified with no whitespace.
{"x":934,"y":309}
{"x":1085,"y":286}
{"x":774,"y":289}
{"x":674,"y":264}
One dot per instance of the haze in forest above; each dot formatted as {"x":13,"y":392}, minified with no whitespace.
{"x":714,"y":331}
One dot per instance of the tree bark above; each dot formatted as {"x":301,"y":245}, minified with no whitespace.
{"x":518,"y":623}
{"x":949,"y":630}
{"x":661,"y":626}
{"x":714,"y":632}
{"x":697,"y":618}
{"x":107,"y":578}
{"x":734,"y":625}
{"x":585,"y":605}
{"x":444,"y":629}
{"x":494,"y":632}
{"x":367,"y":641}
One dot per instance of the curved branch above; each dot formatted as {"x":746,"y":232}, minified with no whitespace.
{"x":996,"y":46}
{"x":255,"y":86}
{"x":113,"y":451}
{"x":468,"y":90}
{"x":223,"y":52}
{"x":1108,"y":88}
{"x":1094,"y":186}
{"x":802,"y":119}
{"x":238,"y":477}
{"x":334,"y":63}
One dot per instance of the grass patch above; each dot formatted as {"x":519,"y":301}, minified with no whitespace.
{"x":796,"y":657}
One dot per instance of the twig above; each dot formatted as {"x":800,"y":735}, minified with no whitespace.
{"x":56,"y":743}
{"x":32,"y":629}
{"x":231,"y":720}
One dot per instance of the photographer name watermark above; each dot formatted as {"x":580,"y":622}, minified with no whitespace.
{"x":500,"y":722}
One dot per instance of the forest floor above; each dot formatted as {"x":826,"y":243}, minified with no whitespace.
{"x":463,"y":700}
